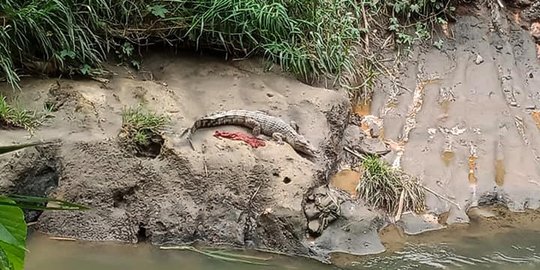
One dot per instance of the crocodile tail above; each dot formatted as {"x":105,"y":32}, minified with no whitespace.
{"x":189,"y":132}
{"x":191,"y":144}
{"x":186,"y":131}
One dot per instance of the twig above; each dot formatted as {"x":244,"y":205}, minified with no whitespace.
{"x":62,"y":238}
{"x":205,"y":167}
{"x":255,"y":193}
{"x":354,"y":153}
{"x":400,"y":207}
{"x":366,"y":25}
{"x":441,"y":196}
{"x":230,"y":257}
{"x":99,"y":79}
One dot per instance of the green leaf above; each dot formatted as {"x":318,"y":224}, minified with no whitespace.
{"x":67,"y":53}
{"x":127,"y":49}
{"x":158,"y":10}
{"x":85,"y":69}
{"x":5,"y":264}
{"x":11,"y":148}
{"x":12,"y":235}
{"x":30,"y":202}
{"x":415,"y":8}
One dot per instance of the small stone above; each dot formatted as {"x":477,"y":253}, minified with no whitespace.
{"x":314,"y":225}
{"x":269,"y":94}
{"x":513,"y":104}
{"x":375,"y":131}
{"x":372,"y":146}
{"x":479,"y":59}
{"x":531,"y":75}
{"x":530,"y":107}
{"x":311,"y":211}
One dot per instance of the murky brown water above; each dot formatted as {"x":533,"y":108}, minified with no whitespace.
{"x":516,"y":250}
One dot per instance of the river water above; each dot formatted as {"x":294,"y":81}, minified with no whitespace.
{"x":512,"y":250}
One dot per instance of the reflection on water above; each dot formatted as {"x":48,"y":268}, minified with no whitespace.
{"x":518,"y":250}
{"x":46,"y":254}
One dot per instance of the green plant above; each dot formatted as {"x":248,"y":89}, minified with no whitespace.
{"x":60,"y":34}
{"x":16,"y":117}
{"x":141,"y":125}
{"x":415,"y":20}
{"x":381,"y":187}
{"x":319,"y":41}
{"x":13,"y":227}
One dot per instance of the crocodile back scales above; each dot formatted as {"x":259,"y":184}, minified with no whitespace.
{"x":269,"y":124}
{"x":250,"y":119}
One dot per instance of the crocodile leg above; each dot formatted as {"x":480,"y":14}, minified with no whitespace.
{"x":294,"y":125}
{"x":256,"y":131}
{"x":278,"y":137}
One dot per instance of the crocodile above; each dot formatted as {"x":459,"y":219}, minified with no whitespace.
{"x":261,"y":123}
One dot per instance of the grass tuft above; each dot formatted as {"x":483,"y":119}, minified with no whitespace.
{"x":141,"y":125}
{"x":381,"y":187}
{"x":15,"y":117}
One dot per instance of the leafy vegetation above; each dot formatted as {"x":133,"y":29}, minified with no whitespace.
{"x":13,"y":227}
{"x":381,"y":186}
{"x":141,"y":125}
{"x":338,"y":42}
{"x":15,"y":117}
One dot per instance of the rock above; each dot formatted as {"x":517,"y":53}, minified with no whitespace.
{"x":358,"y":141}
{"x":353,"y":135}
{"x":477,"y":212}
{"x":323,"y":205}
{"x":372,"y":125}
{"x":311,"y":211}
{"x":314,"y":225}
{"x":373,"y":146}
{"x":414,"y":224}
{"x":355,"y":232}
{"x":535,"y":31}
{"x":479,"y":59}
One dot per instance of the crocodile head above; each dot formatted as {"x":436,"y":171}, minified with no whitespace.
{"x":304,"y":146}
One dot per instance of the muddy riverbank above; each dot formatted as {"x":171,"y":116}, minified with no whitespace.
{"x":465,"y":248}
{"x":462,"y":118}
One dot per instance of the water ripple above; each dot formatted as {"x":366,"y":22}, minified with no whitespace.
{"x":507,"y":252}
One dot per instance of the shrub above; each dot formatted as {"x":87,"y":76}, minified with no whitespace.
{"x":15,"y":117}
{"x":381,"y":187}
{"x":318,"y":41}
{"x":140,"y":125}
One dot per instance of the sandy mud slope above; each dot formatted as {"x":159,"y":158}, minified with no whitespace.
{"x":469,"y":123}
{"x":224,"y":192}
